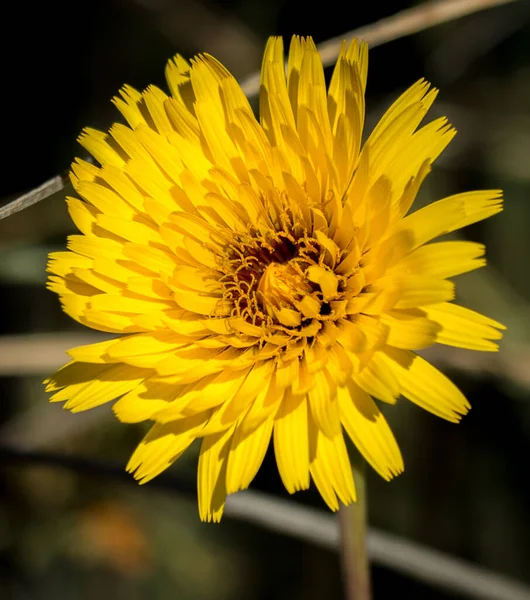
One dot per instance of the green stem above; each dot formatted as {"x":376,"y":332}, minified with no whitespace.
{"x":352,"y":519}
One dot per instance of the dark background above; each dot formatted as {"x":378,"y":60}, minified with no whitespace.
{"x":65,"y":534}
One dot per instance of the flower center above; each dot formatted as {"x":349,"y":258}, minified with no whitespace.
{"x":280,"y":290}
{"x":282,"y":282}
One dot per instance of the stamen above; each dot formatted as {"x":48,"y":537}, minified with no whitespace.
{"x":265,"y":278}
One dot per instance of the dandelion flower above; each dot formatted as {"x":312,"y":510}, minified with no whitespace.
{"x":267,"y":278}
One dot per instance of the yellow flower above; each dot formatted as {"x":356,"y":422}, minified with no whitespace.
{"x":266,"y":276}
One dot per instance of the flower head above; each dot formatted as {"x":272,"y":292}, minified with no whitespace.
{"x":266,"y":277}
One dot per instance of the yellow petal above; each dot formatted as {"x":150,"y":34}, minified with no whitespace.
{"x":93,"y":353}
{"x":443,"y":259}
{"x":162,"y":445}
{"x":265,"y":405}
{"x":339,"y":365}
{"x":388,"y":142}
{"x":464,"y":328}
{"x":100,"y":145}
{"x":154,"y":100}
{"x":71,"y":285}
{"x":212,"y":475}
{"x":123,"y":186}
{"x":129,"y":303}
{"x":322,"y":400}
{"x":346,"y":107}
{"x":410,"y":329}
{"x":96,"y":385}
{"x":351,"y":336}
{"x":105,"y":200}
{"x":378,"y":379}
{"x":424,"y":385}
{"x":94,"y":247}
{"x":148,"y":398}
{"x":449,"y":214}
{"x":83,"y":170}
{"x":134,"y":230}
{"x":416,"y":290}
{"x":411,"y":96}
{"x":83,"y":214}
{"x":414,"y":161}
{"x":274,"y":84}
{"x":144,"y":172}
{"x":149,"y":287}
{"x":206,"y":393}
{"x":291,"y":445}
{"x":62,"y":263}
{"x":369,"y":430}
{"x":74,"y":373}
{"x":251,"y":384}
{"x":206,"y":74}
{"x":177,"y":74}
{"x":111,"y":322}
{"x":192,"y":363}
{"x":121,"y":270}
{"x":312,"y":91}
{"x":330,"y":467}
{"x":154,"y":259}
{"x":202,"y":303}
{"x":246,"y":455}
{"x":128,"y":105}
{"x":129,"y":142}
{"x":101,"y":282}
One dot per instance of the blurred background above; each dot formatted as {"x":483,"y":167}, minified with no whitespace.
{"x":87,"y":533}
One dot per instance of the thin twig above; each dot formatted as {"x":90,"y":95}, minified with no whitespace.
{"x":473,"y":40}
{"x":406,"y":557}
{"x":402,"y":24}
{"x":42,"y":353}
{"x":45,"y":190}
{"x":353,"y":547}
{"x":313,"y":526}
{"x":407,"y":22}
{"x":42,"y":425}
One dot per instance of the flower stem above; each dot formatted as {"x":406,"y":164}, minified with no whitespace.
{"x":352,"y":519}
